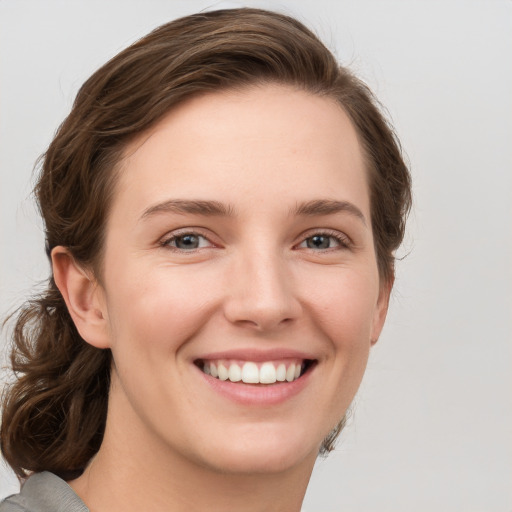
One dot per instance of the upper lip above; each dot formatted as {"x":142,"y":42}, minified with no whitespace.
{"x":257,"y":355}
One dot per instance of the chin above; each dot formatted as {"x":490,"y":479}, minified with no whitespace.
{"x":262,"y":451}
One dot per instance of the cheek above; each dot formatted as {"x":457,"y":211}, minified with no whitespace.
{"x":156,"y":310}
{"x":340,"y":309}
{"x":344,"y":304}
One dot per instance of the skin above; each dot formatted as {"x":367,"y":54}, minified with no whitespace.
{"x":254,"y":283}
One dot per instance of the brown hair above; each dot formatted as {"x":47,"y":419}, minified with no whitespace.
{"x":55,"y":411}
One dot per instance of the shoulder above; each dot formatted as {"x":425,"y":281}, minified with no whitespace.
{"x":44,"y":492}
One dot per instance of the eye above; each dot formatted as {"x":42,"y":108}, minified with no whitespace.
{"x":323,"y":241}
{"x":186,"y":242}
{"x":320,"y":242}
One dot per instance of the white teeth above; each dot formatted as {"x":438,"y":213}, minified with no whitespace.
{"x":235,"y":374}
{"x":253,"y":373}
{"x":267,"y":373}
{"x":250,"y":373}
{"x":223,"y":372}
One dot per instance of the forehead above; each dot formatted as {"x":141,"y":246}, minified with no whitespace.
{"x":258,"y":144}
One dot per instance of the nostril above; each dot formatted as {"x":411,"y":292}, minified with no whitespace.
{"x":263,"y":321}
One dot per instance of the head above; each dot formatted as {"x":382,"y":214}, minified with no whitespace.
{"x":168,"y":79}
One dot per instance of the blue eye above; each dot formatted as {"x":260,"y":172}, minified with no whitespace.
{"x":322,"y":241}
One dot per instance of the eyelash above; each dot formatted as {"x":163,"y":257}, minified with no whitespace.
{"x":342,"y":240}
{"x":165,"y":243}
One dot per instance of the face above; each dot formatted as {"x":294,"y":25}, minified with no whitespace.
{"x":240,"y":288}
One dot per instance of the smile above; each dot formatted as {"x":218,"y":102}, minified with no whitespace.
{"x":250,"y":372}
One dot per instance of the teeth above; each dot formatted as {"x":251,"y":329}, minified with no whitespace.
{"x":223,"y":371}
{"x":235,"y":374}
{"x":254,"y":373}
{"x":268,"y":373}
{"x":290,"y":373}
{"x":281,"y":373}
{"x":250,"y":373}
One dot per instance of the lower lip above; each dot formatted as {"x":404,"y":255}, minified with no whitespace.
{"x":258,"y":394}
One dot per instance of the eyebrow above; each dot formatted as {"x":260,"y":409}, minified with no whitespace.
{"x":184,"y":206}
{"x":208,"y":208}
{"x":319,"y":207}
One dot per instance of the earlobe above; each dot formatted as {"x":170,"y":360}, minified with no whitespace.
{"x":83,"y":296}
{"x":381,"y":309}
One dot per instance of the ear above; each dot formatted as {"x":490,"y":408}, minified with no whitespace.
{"x":381,"y":309}
{"x":84,"y":298}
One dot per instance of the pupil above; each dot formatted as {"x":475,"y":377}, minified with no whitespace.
{"x":187,"y":242}
{"x":318,"y":242}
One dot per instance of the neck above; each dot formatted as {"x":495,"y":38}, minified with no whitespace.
{"x":129,"y":475}
{"x":134,"y":486}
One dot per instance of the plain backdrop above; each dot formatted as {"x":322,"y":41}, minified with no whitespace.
{"x":432,"y":424}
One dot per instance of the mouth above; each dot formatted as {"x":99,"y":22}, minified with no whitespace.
{"x":262,"y":373}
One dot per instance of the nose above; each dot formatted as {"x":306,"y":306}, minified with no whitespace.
{"x":261,"y":294}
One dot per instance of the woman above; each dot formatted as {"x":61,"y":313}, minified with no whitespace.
{"x":221,"y":206}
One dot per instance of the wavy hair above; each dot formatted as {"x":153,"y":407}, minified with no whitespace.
{"x":54,"y":412}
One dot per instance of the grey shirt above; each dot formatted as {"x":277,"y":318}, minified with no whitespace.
{"x":44,"y":492}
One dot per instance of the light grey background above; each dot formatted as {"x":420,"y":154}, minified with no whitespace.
{"x":432,"y":424}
